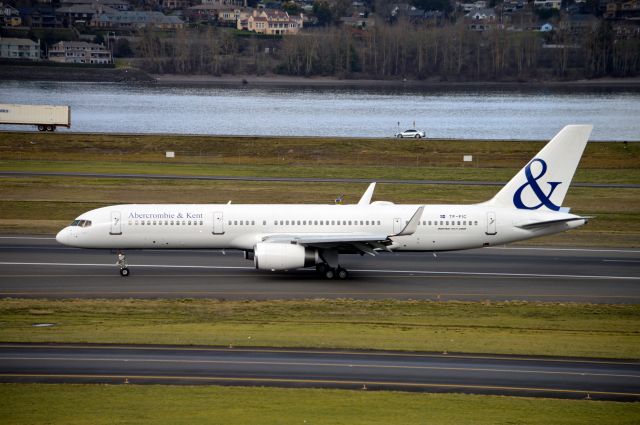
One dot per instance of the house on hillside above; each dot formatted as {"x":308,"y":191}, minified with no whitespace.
{"x":114,"y":4}
{"x":136,"y":19}
{"x":270,"y":21}
{"x":547,"y":4}
{"x":19,"y":48}
{"x":79,"y":52}
{"x":39,"y":17}
{"x":579,"y":23}
{"x":481,"y":19}
{"x":9,"y":16}
{"x":81,"y":13}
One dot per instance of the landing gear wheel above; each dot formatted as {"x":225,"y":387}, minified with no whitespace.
{"x":329,"y":273}
{"x":321,"y":268}
{"x":342,"y":273}
{"x":42,"y":127}
{"x":50,"y":128}
{"x":124,"y":272}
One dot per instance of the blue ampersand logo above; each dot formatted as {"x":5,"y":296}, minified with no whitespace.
{"x":533,"y":183}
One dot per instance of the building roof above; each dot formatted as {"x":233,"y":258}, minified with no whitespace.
{"x":18,"y":41}
{"x":95,"y":2}
{"x":276,"y":14}
{"x":79,"y":45}
{"x":86,"y":8}
{"x":135,"y":17}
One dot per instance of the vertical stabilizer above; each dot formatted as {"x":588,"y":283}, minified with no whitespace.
{"x":543,"y":183}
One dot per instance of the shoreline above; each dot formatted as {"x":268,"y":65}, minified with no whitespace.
{"x":292,"y":81}
{"x":135,"y":76}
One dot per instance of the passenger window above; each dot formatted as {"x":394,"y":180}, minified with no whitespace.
{"x":458,"y":223}
{"x":201,"y":222}
{"x":298,"y":222}
{"x":142,"y":222}
{"x":177,"y":222}
{"x":378,"y":222}
{"x":235,"y":222}
{"x":136,"y":222}
{"x":349,"y":222}
{"x":189,"y":222}
{"x":253,"y":223}
{"x":476,"y":223}
{"x":264,"y":222}
{"x":148,"y":222}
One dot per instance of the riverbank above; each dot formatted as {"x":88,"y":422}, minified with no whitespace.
{"x":285,"y":80}
{"x":79,"y":74}
{"x":133,"y":75}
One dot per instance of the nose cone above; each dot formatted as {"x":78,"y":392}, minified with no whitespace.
{"x":63,"y":236}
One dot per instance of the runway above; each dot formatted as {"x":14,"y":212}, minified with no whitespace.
{"x":40,"y":267}
{"x":287,"y":179}
{"x":429,"y":372}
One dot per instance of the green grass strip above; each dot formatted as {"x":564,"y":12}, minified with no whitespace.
{"x":583,"y":330}
{"x":177,"y":405}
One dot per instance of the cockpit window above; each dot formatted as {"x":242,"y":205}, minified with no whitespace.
{"x":81,"y":223}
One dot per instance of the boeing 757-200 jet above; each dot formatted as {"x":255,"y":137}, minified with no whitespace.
{"x":292,"y":236}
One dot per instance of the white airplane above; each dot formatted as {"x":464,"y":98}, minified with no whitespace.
{"x":286,"y":237}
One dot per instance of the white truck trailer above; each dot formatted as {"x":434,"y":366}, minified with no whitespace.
{"x":45,"y":117}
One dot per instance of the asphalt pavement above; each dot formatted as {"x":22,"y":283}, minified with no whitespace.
{"x":432,"y":372}
{"x":285,"y":179}
{"x":37,"y":266}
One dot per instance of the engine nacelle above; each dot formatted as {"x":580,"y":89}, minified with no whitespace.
{"x":283,"y":256}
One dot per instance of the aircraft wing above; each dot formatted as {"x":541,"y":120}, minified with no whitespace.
{"x":363,"y":242}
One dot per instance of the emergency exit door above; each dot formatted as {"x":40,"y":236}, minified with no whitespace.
{"x":491,"y":223}
{"x":218,"y":223}
{"x":397,"y":226}
{"x":116,"y":223}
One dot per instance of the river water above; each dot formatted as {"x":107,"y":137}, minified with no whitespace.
{"x":471,"y":113}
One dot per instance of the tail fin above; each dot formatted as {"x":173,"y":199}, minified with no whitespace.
{"x":543,"y":183}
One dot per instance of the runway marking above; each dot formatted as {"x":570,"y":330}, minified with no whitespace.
{"x":27,"y":237}
{"x":627,"y":251}
{"x":424,"y":272}
{"x":317,"y":364}
{"x":322,"y":352}
{"x":621,"y":261}
{"x":321,"y":294}
{"x":323,"y":382}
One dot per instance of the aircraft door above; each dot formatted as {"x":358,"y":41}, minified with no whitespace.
{"x":116,"y":223}
{"x":491,"y":223}
{"x":397,"y":226}
{"x":218,"y":223}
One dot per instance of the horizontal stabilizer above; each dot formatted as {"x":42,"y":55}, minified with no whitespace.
{"x":539,"y":224}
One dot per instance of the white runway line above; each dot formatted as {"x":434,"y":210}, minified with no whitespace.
{"x":424,"y":272}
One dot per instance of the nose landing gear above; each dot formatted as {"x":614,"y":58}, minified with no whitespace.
{"x":122,"y":263}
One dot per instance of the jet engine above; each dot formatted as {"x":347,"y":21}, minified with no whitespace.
{"x":283,"y":256}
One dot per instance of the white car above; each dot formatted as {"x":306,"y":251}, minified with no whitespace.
{"x":410,"y":133}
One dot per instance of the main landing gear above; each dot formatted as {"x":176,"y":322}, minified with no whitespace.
{"x":122,"y":263}
{"x":329,"y":272}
